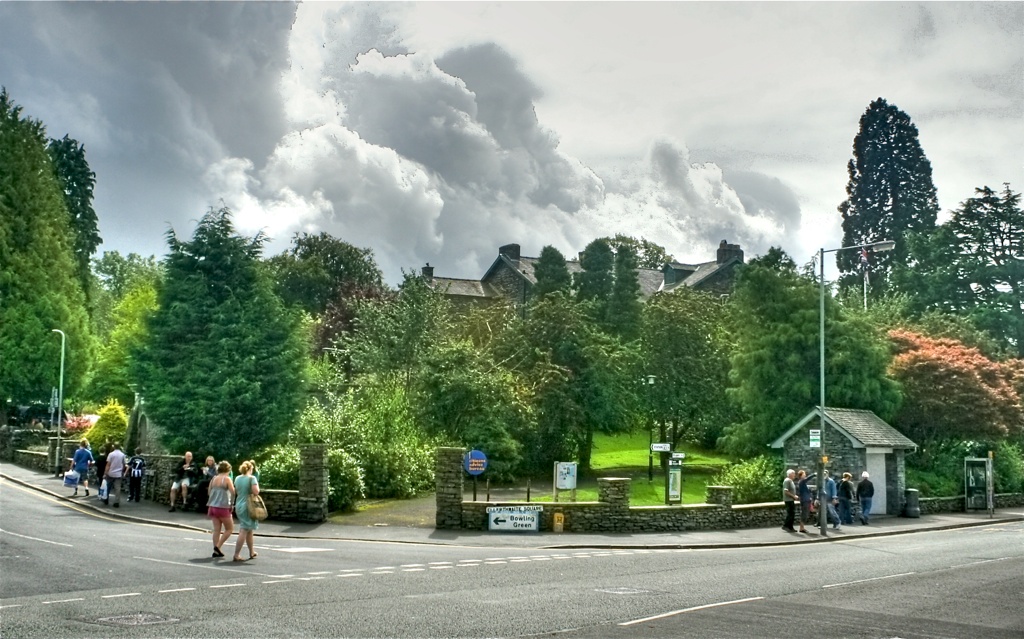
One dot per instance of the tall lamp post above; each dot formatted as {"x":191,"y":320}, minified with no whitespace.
{"x":650,"y":428}
{"x":60,"y":402}
{"x":877,"y":247}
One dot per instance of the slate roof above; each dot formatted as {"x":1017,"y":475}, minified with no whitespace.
{"x":650,"y":279}
{"x":464,"y":288}
{"x":698,"y":272}
{"x":862,"y":426}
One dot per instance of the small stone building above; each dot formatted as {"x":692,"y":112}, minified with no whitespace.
{"x":854,"y":441}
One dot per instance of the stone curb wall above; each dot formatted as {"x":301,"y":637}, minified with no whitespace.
{"x":935,"y":505}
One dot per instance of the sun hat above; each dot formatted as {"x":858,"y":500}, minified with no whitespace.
{"x":864,"y":475}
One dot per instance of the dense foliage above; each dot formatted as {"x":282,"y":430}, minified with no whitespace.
{"x":40,"y":289}
{"x":754,"y":481}
{"x":224,"y":362}
{"x":111,"y":426}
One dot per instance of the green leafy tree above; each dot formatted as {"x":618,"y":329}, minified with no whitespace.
{"x":890,"y":193}
{"x":973,"y":266}
{"x":319,"y":269}
{"x":624,"y":306}
{"x":582,"y":380}
{"x":225,"y":362}
{"x":39,"y":286}
{"x":76,"y":183}
{"x":394,"y":334}
{"x":685,"y":346}
{"x":775,"y":366}
{"x":648,"y":254}
{"x":112,"y":424}
{"x":128,"y":336}
{"x":551,"y":273}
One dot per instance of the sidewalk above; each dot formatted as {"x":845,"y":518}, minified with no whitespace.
{"x":154,"y":513}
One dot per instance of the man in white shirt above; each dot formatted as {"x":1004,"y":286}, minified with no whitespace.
{"x":114,"y":473}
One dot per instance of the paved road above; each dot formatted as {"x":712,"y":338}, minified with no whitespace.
{"x":72,"y":572}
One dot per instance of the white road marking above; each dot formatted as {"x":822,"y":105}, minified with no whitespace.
{"x":860,"y":581}
{"x":294,"y":550}
{"x":439,"y":563}
{"x":180,"y":563}
{"x":441,"y":567}
{"x":352,"y":574}
{"x":276,"y":581}
{"x":694,"y":608}
{"x":176,"y":590}
{"x":383,"y":572}
{"x":411,"y":565}
{"x":124,"y":594}
{"x":468,"y":566}
{"x":20,"y":605}
{"x":227,"y":586}
{"x":983,"y":561}
{"x":413,"y":569}
{"x":322,"y":572}
{"x":57,"y":601}
{"x":45,"y":541}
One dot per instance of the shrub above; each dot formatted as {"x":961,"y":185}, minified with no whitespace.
{"x":1008,"y":466}
{"x":938,"y":470}
{"x":112,"y":424}
{"x":753,"y":481}
{"x":280,"y":469}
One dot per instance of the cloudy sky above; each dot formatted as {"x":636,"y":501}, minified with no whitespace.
{"x":435,"y":132}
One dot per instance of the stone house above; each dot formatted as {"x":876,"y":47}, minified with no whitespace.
{"x":511,"y":277}
{"x":854,"y":441}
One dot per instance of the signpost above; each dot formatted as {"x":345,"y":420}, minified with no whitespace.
{"x":661,"y":447}
{"x":815,"y":438}
{"x":514,"y":518}
{"x":674,"y":486}
{"x":475,"y":462}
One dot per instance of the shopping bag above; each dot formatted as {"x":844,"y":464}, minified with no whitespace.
{"x":103,"y":489}
{"x":257,"y":509}
{"x":71,"y":478}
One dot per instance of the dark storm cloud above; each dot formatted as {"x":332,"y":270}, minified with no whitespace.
{"x":155,"y":91}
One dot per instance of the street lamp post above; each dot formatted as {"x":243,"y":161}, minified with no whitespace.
{"x":877,"y":247}
{"x":60,"y":402}
{"x":650,"y":429}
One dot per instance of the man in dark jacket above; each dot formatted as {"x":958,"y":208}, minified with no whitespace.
{"x":136,"y":471}
{"x":866,"y":492}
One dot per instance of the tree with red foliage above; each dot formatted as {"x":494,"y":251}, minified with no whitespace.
{"x":951,"y":391}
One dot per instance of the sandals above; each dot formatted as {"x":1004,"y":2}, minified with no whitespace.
{"x":254,"y":555}
{"x":236,"y":558}
{"x":217,"y":552}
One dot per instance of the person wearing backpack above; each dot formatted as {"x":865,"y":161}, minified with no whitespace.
{"x":136,"y":471}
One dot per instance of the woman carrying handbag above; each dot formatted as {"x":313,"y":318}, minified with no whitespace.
{"x":245,"y":485}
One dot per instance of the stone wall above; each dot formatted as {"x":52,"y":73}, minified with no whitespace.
{"x":13,"y":439}
{"x":308,"y":504}
{"x":934,"y":505}
{"x":36,"y":460}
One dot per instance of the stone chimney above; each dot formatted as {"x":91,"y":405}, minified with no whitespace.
{"x":511,"y":251}
{"x":728,"y":251}
{"x":428,"y":272}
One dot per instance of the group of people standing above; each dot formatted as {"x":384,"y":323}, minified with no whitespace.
{"x":112,"y":466}
{"x":839,"y":499}
{"x":224,"y":491}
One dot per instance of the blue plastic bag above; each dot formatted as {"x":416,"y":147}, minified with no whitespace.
{"x":71,"y":478}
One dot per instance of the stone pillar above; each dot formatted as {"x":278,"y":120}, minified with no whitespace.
{"x":314,"y":483}
{"x":614,"y":491}
{"x":52,"y":455}
{"x":448,"y":483}
{"x":720,"y":495}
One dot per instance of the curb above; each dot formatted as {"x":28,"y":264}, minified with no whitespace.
{"x":817,"y":539}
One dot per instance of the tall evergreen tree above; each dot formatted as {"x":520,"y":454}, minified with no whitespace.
{"x":39,"y":289}
{"x":225,"y":361}
{"x":551,"y":273}
{"x":76,"y":182}
{"x":775,"y":366}
{"x":624,"y":307}
{"x":889,"y":194}
{"x":598,"y":263}
{"x":973,"y":266}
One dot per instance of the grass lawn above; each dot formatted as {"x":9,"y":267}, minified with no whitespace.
{"x":626,"y":456}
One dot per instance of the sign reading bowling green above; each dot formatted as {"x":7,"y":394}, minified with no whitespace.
{"x":514,"y":518}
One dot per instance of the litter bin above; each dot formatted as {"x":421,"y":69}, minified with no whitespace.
{"x":913,"y":507}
